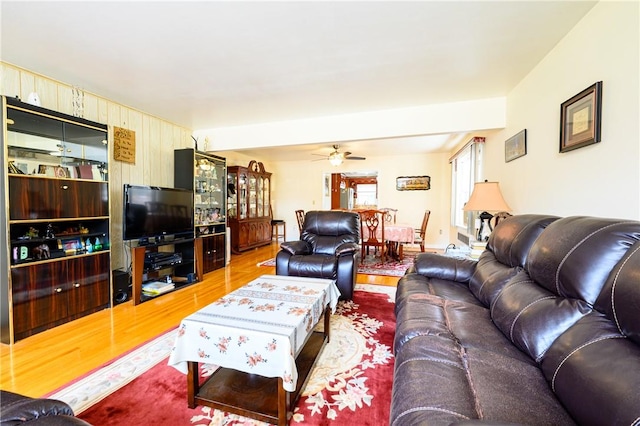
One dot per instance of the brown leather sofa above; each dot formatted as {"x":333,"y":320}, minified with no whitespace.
{"x":543,"y":330}
{"x":328,"y":248}
{"x":18,"y":409}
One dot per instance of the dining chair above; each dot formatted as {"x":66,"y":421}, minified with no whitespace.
{"x":372,"y":232}
{"x":278,"y":227}
{"x":389,"y":214}
{"x":422,"y":232}
{"x":300,"y":219}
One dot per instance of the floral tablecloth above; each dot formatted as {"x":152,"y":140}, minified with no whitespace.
{"x":258,"y":329}
{"x":397,"y":232}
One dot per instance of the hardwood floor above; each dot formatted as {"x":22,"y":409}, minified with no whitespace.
{"x":42,"y":363}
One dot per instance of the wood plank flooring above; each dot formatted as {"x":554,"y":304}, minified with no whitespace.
{"x":42,"y":363}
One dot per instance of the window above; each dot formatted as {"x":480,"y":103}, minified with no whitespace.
{"x":367,"y":194}
{"x":466,"y":169}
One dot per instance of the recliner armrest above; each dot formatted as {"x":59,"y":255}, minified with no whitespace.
{"x":346,"y":248}
{"x":18,"y":409}
{"x":435,"y":265}
{"x":296,"y":247}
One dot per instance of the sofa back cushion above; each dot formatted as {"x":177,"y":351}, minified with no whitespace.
{"x":506,"y":253}
{"x":326,"y":230}
{"x":594,"y":367}
{"x":575,"y":255}
{"x":565,"y":271}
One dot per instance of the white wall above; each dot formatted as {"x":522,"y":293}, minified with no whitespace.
{"x":299,"y":185}
{"x":601,"y":179}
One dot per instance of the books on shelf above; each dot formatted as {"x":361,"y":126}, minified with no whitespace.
{"x":157,"y":287}
{"x":477,"y":247}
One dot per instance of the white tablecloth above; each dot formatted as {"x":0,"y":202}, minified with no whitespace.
{"x":258,"y":329}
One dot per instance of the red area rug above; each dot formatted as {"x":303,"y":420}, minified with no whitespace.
{"x":373,"y":266}
{"x":351,"y":383}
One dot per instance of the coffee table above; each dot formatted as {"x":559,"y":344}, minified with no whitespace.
{"x":263,"y":338}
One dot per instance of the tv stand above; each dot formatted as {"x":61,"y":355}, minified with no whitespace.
{"x":177,"y":258}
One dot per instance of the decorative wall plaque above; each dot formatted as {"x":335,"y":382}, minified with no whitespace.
{"x":124,"y":145}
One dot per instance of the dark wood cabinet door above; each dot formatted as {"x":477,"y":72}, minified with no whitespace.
{"x":34,"y":198}
{"x":88,"y":284}
{"x":213,"y":252}
{"x":39,"y":297}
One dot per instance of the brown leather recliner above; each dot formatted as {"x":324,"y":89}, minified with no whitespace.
{"x":328,"y":248}
{"x":18,"y":409}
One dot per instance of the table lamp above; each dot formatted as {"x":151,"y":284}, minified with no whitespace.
{"x":486,"y":196}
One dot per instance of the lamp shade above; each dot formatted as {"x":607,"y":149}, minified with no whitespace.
{"x":486,"y":197}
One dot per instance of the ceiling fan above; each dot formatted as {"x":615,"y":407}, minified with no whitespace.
{"x":336,"y":158}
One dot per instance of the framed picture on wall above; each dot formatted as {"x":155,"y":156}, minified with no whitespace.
{"x":515,"y":146}
{"x":580,"y":119}
{"x":413,"y":183}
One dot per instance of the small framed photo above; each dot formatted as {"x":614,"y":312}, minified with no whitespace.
{"x":515,"y":146}
{"x":580,"y":119}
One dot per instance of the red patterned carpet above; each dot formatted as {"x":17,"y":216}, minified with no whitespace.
{"x":373,"y":266}
{"x":351,"y":384}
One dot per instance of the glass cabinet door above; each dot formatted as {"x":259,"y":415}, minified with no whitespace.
{"x":242,"y":195}
{"x":253,"y":196}
{"x":38,"y":144}
{"x":261,"y":211}
{"x":208,"y":202}
{"x":232,"y":196}
{"x":267,"y":196}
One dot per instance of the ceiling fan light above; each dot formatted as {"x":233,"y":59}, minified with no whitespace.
{"x":335,"y":158}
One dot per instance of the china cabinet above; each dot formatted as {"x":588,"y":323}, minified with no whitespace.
{"x":204,"y":174}
{"x":55,"y":184}
{"x":249,"y":206}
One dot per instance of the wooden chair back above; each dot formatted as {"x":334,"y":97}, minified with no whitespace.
{"x":372,"y":232}
{"x":389,"y":214}
{"x":422,"y":232}
{"x":300,"y":219}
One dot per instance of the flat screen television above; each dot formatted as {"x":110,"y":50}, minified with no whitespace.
{"x":153,"y":211}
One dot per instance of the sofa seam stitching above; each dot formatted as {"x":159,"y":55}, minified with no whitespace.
{"x":613,"y":289}
{"x":570,"y":354}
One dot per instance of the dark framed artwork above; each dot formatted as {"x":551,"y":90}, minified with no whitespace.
{"x":413,"y":183}
{"x":515,"y":146}
{"x":580,"y":119}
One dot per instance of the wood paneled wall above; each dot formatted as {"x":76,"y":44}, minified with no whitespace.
{"x":156,"y":139}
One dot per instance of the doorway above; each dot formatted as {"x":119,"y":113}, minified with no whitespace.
{"x":350,"y":190}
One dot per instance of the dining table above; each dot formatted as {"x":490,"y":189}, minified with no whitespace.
{"x":395,"y":235}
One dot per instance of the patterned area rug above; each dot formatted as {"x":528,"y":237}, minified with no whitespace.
{"x":373,"y":266}
{"x":351,"y":382}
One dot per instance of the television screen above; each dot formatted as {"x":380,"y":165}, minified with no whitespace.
{"x":152,"y":211}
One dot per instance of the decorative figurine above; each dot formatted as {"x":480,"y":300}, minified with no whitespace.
{"x":49,"y":232}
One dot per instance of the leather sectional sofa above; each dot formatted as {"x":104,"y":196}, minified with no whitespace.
{"x":544,"y":329}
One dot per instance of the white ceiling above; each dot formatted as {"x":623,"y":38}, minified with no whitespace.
{"x":208,"y":64}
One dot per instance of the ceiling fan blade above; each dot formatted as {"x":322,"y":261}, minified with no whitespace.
{"x":355,"y":158}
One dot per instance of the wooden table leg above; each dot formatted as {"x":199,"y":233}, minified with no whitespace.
{"x":193,"y":384}
{"x":282,"y":403}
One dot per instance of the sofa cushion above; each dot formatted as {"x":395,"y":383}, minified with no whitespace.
{"x":600,"y":355}
{"x":313,"y":265}
{"x":575,"y":255}
{"x":452,"y":364}
{"x":533,"y":317}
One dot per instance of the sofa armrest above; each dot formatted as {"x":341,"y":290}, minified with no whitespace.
{"x":346,"y":249}
{"x":435,"y":265}
{"x":296,"y":247}
{"x":18,"y":409}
